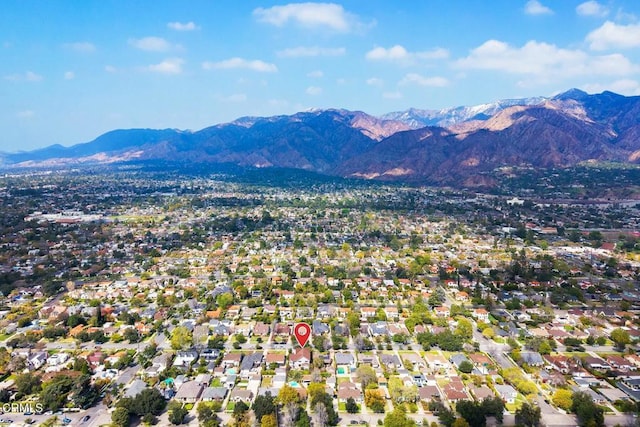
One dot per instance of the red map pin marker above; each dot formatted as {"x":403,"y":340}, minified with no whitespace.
{"x":302,"y":332}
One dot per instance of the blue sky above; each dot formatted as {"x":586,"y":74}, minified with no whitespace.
{"x":72,"y":70}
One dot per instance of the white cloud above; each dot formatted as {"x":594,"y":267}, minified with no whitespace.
{"x":234,"y":63}
{"x":414,"y":78}
{"x":278,"y":102}
{"x":309,"y":15}
{"x":392,"y":95}
{"x":29,"y":76}
{"x":186,"y":26}
{"x":26,"y":114}
{"x":592,"y":8}
{"x":543,"y":61}
{"x":236,"y":97}
{"x":168,"y":66}
{"x":611,"y":35}
{"x":398,"y":53}
{"x":152,"y":44}
{"x":82,"y":47}
{"x":624,"y":87}
{"x":69,"y":75}
{"x":315,"y":74}
{"x":534,"y":7}
{"x":375,"y":81}
{"x":301,"y":51}
{"x":313,"y":90}
{"x":110,"y":69}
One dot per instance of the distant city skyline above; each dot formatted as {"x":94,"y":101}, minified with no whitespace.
{"x":70,"y":71}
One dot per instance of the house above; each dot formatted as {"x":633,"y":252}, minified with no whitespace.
{"x":189,"y":392}
{"x":507,"y":393}
{"x":209,"y":354}
{"x":348,"y":390}
{"x":531,"y":358}
{"x":368,"y":359}
{"x":233,"y":312}
{"x":57,"y":359}
{"x":230,"y":381}
{"x":277,"y":359}
{"x":325,"y":311}
{"x":231,"y":360}
{"x":436,"y":361}
{"x":367,"y":313}
{"x":135,"y":388}
{"x":345,"y":360}
{"x":481,"y":314}
{"x":210,"y":394}
{"x":377,"y":329}
{"x":37,"y":360}
{"x":462,"y":296}
{"x":300,"y":359}
{"x":238,"y":395}
{"x":261,"y":329}
{"x":458,"y":359}
{"x":619,"y":363}
{"x":429,"y":393}
{"x":250,"y":364}
{"x":184,"y":359}
{"x":390,"y":361}
{"x":482,"y":392}
{"x":391,"y":312}
{"x":282,"y":329}
{"x":319,"y":328}
{"x":596,"y":363}
{"x":442,"y":311}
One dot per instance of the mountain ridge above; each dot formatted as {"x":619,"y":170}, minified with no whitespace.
{"x":462,"y":150}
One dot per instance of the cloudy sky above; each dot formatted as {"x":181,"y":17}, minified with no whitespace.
{"x":71,"y":70}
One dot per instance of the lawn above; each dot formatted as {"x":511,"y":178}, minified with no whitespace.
{"x":513,"y":407}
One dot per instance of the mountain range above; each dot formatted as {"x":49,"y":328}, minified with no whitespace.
{"x":460,"y":146}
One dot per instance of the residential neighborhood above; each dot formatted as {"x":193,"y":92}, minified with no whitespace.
{"x":176,"y":302}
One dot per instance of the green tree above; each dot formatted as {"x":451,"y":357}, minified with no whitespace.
{"x":177,"y":414}
{"x":466,"y":367}
{"x":263,"y":405}
{"x":148,"y":401}
{"x":528,"y":415}
{"x":181,"y":338}
{"x":493,"y":407}
{"x":84,"y":394}
{"x":398,"y":418}
{"x":472,"y":412}
{"x":353,"y":320}
{"x":366,"y":375}
{"x":562,"y":399}
{"x":464,"y":328}
{"x":588,"y":413}
{"x":27,"y":384}
{"x":351,"y":406}
{"x":224,"y":300}
{"x":120,"y":417}
{"x":326,"y":401}
{"x":621,"y":338}
{"x":54,"y":393}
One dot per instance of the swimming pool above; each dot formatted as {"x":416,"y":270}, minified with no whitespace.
{"x":341,"y":371}
{"x":294,"y":384}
